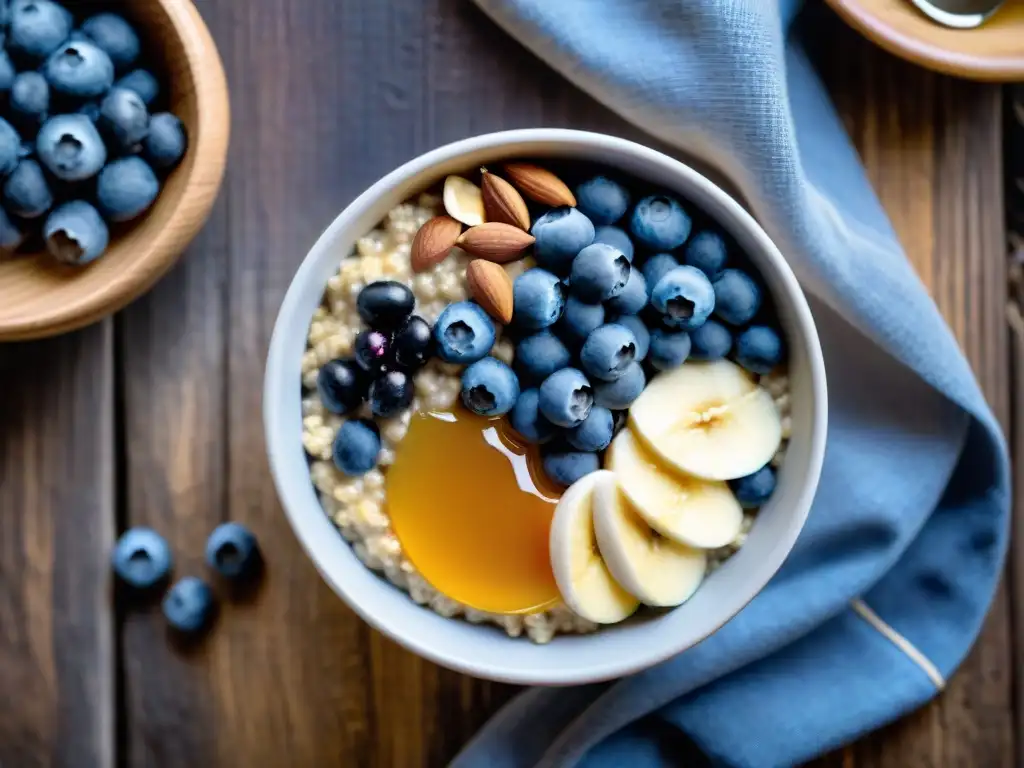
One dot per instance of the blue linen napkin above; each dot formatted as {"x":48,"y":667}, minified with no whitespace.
{"x":888,"y":585}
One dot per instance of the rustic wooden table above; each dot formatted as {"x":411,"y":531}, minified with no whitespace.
{"x":153,"y":417}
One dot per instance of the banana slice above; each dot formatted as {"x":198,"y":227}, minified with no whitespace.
{"x":582,"y":577}
{"x":695,"y":512}
{"x":710,"y":420}
{"x":654,"y":569}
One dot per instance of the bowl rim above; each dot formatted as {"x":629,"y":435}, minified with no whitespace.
{"x":293,"y":493}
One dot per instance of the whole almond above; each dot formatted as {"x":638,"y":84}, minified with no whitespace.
{"x":491,"y":288}
{"x":502,"y":202}
{"x":433,"y":241}
{"x":540,"y":184}
{"x":494,"y":241}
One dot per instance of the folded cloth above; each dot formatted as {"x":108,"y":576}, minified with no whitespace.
{"x":890,"y":581}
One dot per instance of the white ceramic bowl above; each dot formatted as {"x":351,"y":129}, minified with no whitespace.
{"x":483,"y":650}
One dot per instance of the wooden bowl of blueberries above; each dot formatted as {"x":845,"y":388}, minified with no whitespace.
{"x":114,"y":124}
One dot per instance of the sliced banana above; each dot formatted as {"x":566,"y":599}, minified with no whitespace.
{"x":654,"y":569}
{"x":581,"y":575}
{"x":463,"y":201}
{"x":710,"y":420}
{"x":695,"y":512}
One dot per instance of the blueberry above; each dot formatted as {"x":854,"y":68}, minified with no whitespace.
{"x":712,"y":341}
{"x":566,"y":468}
{"x":189,"y":606}
{"x":143,"y":83}
{"x":737,"y":297}
{"x":602,"y":200}
{"x":527,"y":419}
{"x":90,"y":109}
{"x":26,"y":193}
{"x":7,"y":72}
{"x":758,"y":349}
{"x":356,"y":447}
{"x":385,"y":304}
{"x":578,"y":320}
{"x":373,"y":350}
{"x":413,"y":344}
{"x":70,"y":147}
{"x":124,"y":118}
{"x":126,"y":188}
{"x":706,"y":252}
{"x":489,"y":387}
{"x":11,"y":235}
{"x":640,"y":333}
{"x":656,"y":267}
{"x":79,"y":70}
{"x":566,"y":397}
{"x":619,"y":394}
{"x":141,"y":558}
{"x":669,"y":349}
{"x":10,"y":148}
{"x":660,"y":223}
{"x":115,"y":36}
{"x":633,"y":297}
{"x":29,"y":99}
{"x":540,"y":355}
{"x":596,"y":431}
{"x":599,"y":273}
{"x":608,"y":352}
{"x":685,"y":297}
{"x":391,"y":393}
{"x":538,"y":298}
{"x":75,"y":233}
{"x":463,"y":333}
{"x":342,"y":385}
{"x":561,"y":234}
{"x":616,"y":238}
{"x":37,"y":28}
{"x":232,"y":551}
{"x":754,"y":490}
{"x":165,"y":144}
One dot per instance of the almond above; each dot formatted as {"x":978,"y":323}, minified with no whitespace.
{"x":463,"y":201}
{"x":491,"y":288}
{"x":494,"y":241}
{"x":540,"y":184}
{"x":433,"y":241}
{"x":502,"y":202}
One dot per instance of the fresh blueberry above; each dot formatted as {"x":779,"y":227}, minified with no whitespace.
{"x":463,"y":333}
{"x":385,"y":304}
{"x":356,"y":447}
{"x":232,"y":551}
{"x":489,"y":387}
{"x":560,"y":234}
{"x":660,"y":223}
{"x":124,"y":118}
{"x":413,"y":344}
{"x":596,"y":431}
{"x":342,"y":385}
{"x":540,"y":355}
{"x":669,"y":349}
{"x":37,"y":28}
{"x":70,"y":147}
{"x":578,"y":320}
{"x":656,"y":267}
{"x":685,"y":297}
{"x":372,"y":350}
{"x":126,"y":188}
{"x":11,"y":235}
{"x":566,"y":397}
{"x":616,"y":238}
{"x":29,"y":99}
{"x":599,"y":273}
{"x":639,"y":330}
{"x":633,"y":297}
{"x":10,"y":148}
{"x":26,"y":193}
{"x":165,"y":144}
{"x":737,"y":297}
{"x":758,"y":349}
{"x":7,"y":72}
{"x":90,"y":109}
{"x":608,"y":352}
{"x":391,"y":393}
{"x":754,"y":490}
{"x":706,"y":252}
{"x":712,"y":341}
{"x":79,"y":70}
{"x":538,"y":298}
{"x":568,"y":467}
{"x":619,"y":394}
{"x":75,"y":233}
{"x":189,"y":606}
{"x":527,"y":419}
{"x":115,"y":36}
{"x":143,"y":83}
{"x":141,"y":558}
{"x":604,"y":201}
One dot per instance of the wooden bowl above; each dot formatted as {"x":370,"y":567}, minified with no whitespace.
{"x":994,"y":51}
{"x":39,"y":297}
